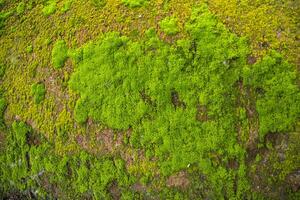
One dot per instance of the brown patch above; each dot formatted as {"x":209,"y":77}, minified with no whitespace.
{"x":264,"y":45}
{"x":233,"y":164}
{"x":176,"y":100}
{"x":202,"y":114}
{"x":2,"y":140}
{"x":16,"y":195}
{"x":129,"y":157}
{"x":53,"y":86}
{"x":115,"y":191}
{"x":82,"y":141}
{"x":106,"y":141}
{"x":293,"y":179}
{"x":251,"y":60}
{"x":179,"y":180}
{"x":82,"y":36}
{"x":138,"y":187}
{"x":33,"y":140}
{"x":106,"y":137}
{"x":50,"y":187}
{"x":253,"y":118}
{"x":146,"y":98}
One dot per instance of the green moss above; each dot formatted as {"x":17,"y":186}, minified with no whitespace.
{"x":38,"y":92}
{"x":21,"y":8}
{"x":134,"y":3}
{"x":278,"y":94}
{"x":29,"y":49}
{"x":50,"y":8}
{"x":3,"y":17}
{"x":67,"y":5}
{"x":59,"y":54}
{"x":169,"y":25}
{"x":185,"y":94}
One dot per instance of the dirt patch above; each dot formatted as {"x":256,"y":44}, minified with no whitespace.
{"x":82,"y":141}
{"x":293,"y":179}
{"x":50,"y":187}
{"x":138,"y":187}
{"x":251,"y":60}
{"x":179,"y":180}
{"x":106,"y":141}
{"x":111,"y":141}
{"x":233,"y":164}
{"x":202,"y":114}
{"x":176,"y":100}
{"x":128,"y":157}
{"x":146,"y":98}
{"x":115,"y":191}
{"x":246,"y":100}
{"x":2,"y":140}
{"x":82,"y":36}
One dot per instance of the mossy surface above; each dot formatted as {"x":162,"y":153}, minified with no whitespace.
{"x":146,"y":99}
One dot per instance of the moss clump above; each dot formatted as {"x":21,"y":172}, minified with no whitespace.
{"x":134,"y":3}
{"x":38,"y":92}
{"x":185,"y":94}
{"x":67,"y":5}
{"x":278,"y":97}
{"x":21,"y":8}
{"x":59,"y":54}
{"x":50,"y":8}
{"x":169,"y":25}
{"x":29,"y":49}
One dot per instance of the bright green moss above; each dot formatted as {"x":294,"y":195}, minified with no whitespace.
{"x":134,"y":3}
{"x":157,"y":89}
{"x":38,"y":92}
{"x":278,"y":99}
{"x":183,"y":95}
{"x":50,"y":8}
{"x":67,"y":5}
{"x":59,"y":54}
{"x":169,"y":25}
{"x":154,"y":88}
{"x":21,"y":8}
{"x":29,"y":49}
